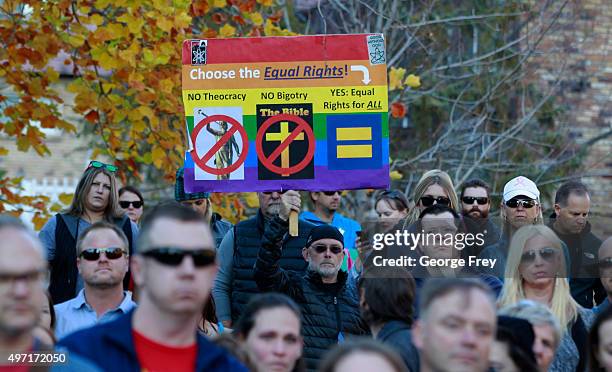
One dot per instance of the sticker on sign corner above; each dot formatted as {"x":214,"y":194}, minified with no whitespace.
{"x":376,"y":49}
{"x":198,"y":52}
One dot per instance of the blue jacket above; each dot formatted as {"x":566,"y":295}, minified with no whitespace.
{"x":111,"y":347}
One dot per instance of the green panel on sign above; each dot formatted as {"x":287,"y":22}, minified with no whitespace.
{"x":190,"y":124}
{"x":385,"y":125}
{"x":320,"y":126}
{"x":250,"y":124}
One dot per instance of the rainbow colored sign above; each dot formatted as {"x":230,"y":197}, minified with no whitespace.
{"x":303,"y":113}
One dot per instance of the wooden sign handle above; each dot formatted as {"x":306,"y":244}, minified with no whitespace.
{"x":293,"y":223}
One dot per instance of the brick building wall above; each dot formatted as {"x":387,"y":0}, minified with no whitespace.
{"x":580,"y":45}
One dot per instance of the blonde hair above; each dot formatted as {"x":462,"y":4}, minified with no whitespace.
{"x":432,"y":177}
{"x":563,"y":306}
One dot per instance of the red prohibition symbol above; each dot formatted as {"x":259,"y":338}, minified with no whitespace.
{"x":236,"y":127}
{"x":302,"y":126}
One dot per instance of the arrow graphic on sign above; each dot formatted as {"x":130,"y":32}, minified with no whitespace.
{"x":366,"y":73}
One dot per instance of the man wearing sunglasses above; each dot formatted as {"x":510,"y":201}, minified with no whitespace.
{"x":605,"y":272}
{"x":520,"y":206}
{"x":235,"y":284}
{"x":102,"y":261}
{"x":569,"y":222}
{"x":200,"y":202}
{"x":330,"y":302}
{"x":95,"y":199}
{"x":326,"y":204}
{"x":174,"y":268}
{"x":475,"y":207}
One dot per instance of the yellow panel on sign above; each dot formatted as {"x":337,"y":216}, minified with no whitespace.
{"x":354,"y":151}
{"x":354,"y":134}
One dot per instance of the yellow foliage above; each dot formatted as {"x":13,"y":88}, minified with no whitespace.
{"x":265,"y":2}
{"x":76,"y":40}
{"x":164,"y":24}
{"x":219,"y":3}
{"x":251,"y":199}
{"x":39,"y":221}
{"x":396,"y":175}
{"x":227,"y":30}
{"x":96,"y":20}
{"x":396,"y":75}
{"x":256,"y":18}
{"x":413,"y":81}
{"x":66,"y":198}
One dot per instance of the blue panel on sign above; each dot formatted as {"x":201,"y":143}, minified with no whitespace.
{"x":354,"y":141}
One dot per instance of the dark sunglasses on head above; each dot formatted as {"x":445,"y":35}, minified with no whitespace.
{"x":526,"y":203}
{"x":428,"y":201}
{"x":321,"y":248}
{"x":126,"y":204}
{"x":93,"y":254}
{"x":172,"y":256}
{"x":469,"y":200}
{"x":270,"y":192}
{"x":605,"y":264}
{"x":99,"y":164}
{"x":547,"y":254}
{"x":331,"y":193}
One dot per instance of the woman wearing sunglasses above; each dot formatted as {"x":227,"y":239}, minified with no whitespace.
{"x":132,"y":202}
{"x":536,"y":270}
{"x":434,"y":187}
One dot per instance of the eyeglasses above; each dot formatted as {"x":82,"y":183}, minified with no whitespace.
{"x":189,"y":203}
{"x":331,"y":193}
{"x":126,"y":204}
{"x":547,"y":255}
{"x":29,"y":277}
{"x":270,"y":192}
{"x":172,"y":256}
{"x":525,"y":203}
{"x":469,"y":200}
{"x":93,"y":254}
{"x":321,"y":248}
{"x":99,"y":164}
{"x":428,"y":201}
{"x":605,"y":264}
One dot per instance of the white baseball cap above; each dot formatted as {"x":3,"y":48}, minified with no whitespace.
{"x":521,"y":186}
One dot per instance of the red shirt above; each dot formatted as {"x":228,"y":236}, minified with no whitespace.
{"x":156,"y":357}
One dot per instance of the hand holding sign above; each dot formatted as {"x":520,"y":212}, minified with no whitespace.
{"x":291,"y":201}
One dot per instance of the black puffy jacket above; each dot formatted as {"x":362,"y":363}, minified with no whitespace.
{"x":330,"y":312}
{"x":247,"y":241}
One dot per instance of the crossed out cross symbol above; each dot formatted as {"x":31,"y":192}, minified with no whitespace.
{"x":281,"y":136}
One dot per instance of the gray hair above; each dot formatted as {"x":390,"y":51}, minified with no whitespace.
{"x":535,"y":313}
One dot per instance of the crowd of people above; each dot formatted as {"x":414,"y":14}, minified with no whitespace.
{"x":111,"y":286}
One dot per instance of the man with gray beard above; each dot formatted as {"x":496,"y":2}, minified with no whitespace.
{"x":234,"y":285}
{"x":330,"y":303}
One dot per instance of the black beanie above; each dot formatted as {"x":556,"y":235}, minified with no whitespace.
{"x":521,"y":332}
{"x":324,"y":232}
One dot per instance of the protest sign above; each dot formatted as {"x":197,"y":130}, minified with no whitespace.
{"x":303,"y":112}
